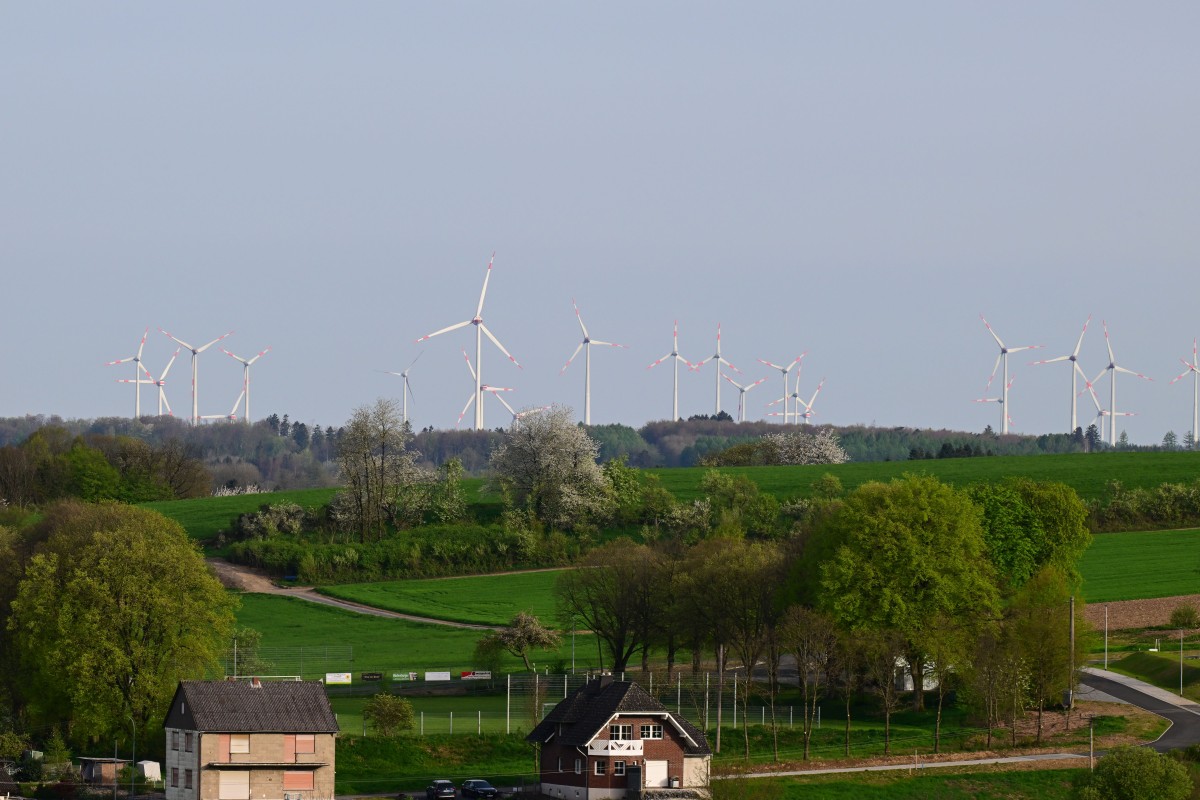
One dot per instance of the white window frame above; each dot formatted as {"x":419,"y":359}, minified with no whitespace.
{"x":618,"y":768}
{"x":601,"y":767}
{"x":579,"y":766}
{"x":651,"y":731}
{"x":620,"y":733}
{"x":239,"y":743}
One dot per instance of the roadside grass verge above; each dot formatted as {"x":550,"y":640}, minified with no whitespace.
{"x":1162,"y":669}
{"x":482,"y":600}
{"x":1141,"y":565}
{"x":369,"y":765}
{"x":944,"y":783}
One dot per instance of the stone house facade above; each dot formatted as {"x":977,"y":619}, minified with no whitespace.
{"x":249,"y":740}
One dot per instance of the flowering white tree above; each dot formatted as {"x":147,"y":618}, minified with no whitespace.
{"x":547,"y":464}
{"x":800,"y":447}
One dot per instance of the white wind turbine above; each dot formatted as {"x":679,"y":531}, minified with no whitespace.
{"x":742,"y":395}
{"x":1076,"y":370}
{"x":1193,"y":368}
{"x":160,"y":383}
{"x":137,"y":381}
{"x":1112,"y":370}
{"x":808,"y":407}
{"x":406,"y":391}
{"x":246,"y":363}
{"x":195,"y":351}
{"x":232,"y":415}
{"x":720,"y":360}
{"x":675,"y":359}
{"x":1006,"y":383}
{"x":587,"y":343}
{"x":494,"y":391}
{"x":1101,"y":412}
{"x":480,"y":331}
{"x":785,"y":371}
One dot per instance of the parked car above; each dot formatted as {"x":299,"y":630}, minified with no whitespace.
{"x":439,"y":789}
{"x":479,"y":788}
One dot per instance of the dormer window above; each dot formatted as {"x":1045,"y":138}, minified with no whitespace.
{"x":620,"y":733}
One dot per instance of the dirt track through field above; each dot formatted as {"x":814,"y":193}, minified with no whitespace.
{"x":239,"y":578}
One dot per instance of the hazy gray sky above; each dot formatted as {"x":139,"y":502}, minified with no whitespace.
{"x":858,"y":180}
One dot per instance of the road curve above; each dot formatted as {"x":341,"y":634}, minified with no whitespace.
{"x":1184,"y":715}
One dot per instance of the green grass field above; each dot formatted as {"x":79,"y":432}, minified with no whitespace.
{"x":483,"y":600}
{"x":1141,"y":565}
{"x":379,"y":644}
{"x":205,"y":517}
{"x":1087,"y":472}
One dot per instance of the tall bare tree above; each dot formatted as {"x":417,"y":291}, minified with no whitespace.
{"x":376,"y":464}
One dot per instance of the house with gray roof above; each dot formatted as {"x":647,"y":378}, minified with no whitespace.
{"x":610,"y":739}
{"x":249,"y":740}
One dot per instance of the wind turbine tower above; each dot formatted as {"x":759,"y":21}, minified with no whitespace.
{"x":1193,"y":367}
{"x":675,"y":359}
{"x":196,"y":351}
{"x":246,"y":363}
{"x":587,"y":343}
{"x":1002,"y":358}
{"x":720,"y":360}
{"x":137,"y":381}
{"x":480,"y":331}
{"x":1076,"y":370}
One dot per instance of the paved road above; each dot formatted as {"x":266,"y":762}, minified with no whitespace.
{"x":1184,"y":715}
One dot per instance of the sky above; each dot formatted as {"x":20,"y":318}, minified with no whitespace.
{"x":857,"y":181}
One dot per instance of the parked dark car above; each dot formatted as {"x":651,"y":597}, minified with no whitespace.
{"x":439,"y":789}
{"x":478,"y":788}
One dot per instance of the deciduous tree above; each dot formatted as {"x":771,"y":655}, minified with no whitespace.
{"x":523,"y":634}
{"x":389,"y":715}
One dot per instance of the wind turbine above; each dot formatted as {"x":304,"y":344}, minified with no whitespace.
{"x":492,"y":390}
{"x":808,"y":410}
{"x":137,"y":375}
{"x":1076,"y":370}
{"x":587,"y":343}
{"x":246,"y":377}
{"x":480,"y":331}
{"x":785,"y":371}
{"x":1112,"y":370}
{"x":1006,"y":383}
{"x":160,"y":383}
{"x":720,"y":360}
{"x":1104,"y":412}
{"x":196,"y":351}
{"x":1003,"y":401}
{"x":406,"y":391}
{"x":1193,"y":367}
{"x":232,"y":415}
{"x":675,"y":359}
{"x":742,"y":395}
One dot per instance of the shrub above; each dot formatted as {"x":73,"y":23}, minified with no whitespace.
{"x":1185,"y":616}
{"x":1132,"y":773}
{"x":389,"y":715}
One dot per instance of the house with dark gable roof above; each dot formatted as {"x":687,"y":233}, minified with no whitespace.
{"x":610,"y":739}
{"x":249,"y":740}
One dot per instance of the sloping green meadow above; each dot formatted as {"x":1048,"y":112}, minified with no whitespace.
{"x":1141,"y":565}
{"x":483,"y":600}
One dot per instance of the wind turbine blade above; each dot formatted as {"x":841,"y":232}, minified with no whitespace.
{"x":774,"y":366}
{"x":661,"y":360}
{"x":1131,"y":372}
{"x":122,"y":361}
{"x":444,"y":330}
{"x":174,"y":339}
{"x":579,"y":319}
{"x":234,"y":356}
{"x":504,"y":403}
{"x":1048,"y":360}
{"x":813,"y":399}
{"x":142,"y":344}
{"x":992,"y":332}
{"x":496,"y":342}
{"x":236,"y":403}
{"x":992,"y":377}
{"x":609,"y":344}
{"x":572,"y":358}
{"x":1079,"y":344}
{"x":163,"y":377}
{"x":214,"y":341}
{"x":466,"y":408}
{"x":777,"y":402}
{"x":410,"y":366}
{"x":385,"y":372}
{"x":756,"y":383}
{"x":1026,"y":347}
{"x":408,"y":388}
{"x":482,"y":294}
{"x":162,"y":395}
{"x":1186,"y":372}
{"x":467,"y":358}
{"x":1107,"y":343}
{"x":732,"y":367}
{"x":257,"y":357}
{"x":731,"y":380}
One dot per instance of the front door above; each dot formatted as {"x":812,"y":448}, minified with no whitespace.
{"x":656,"y":773}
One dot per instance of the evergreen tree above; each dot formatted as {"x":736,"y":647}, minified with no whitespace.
{"x":1092,"y":437}
{"x":1123,"y":441}
{"x":285,"y":429}
{"x":1170,"y":441}
{"x":300,"y":435}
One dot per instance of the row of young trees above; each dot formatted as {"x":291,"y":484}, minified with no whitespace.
{"x":970,"y":588}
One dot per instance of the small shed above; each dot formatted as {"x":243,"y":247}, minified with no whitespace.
{"x":101,"y":771}
{"x":150,"y":770}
